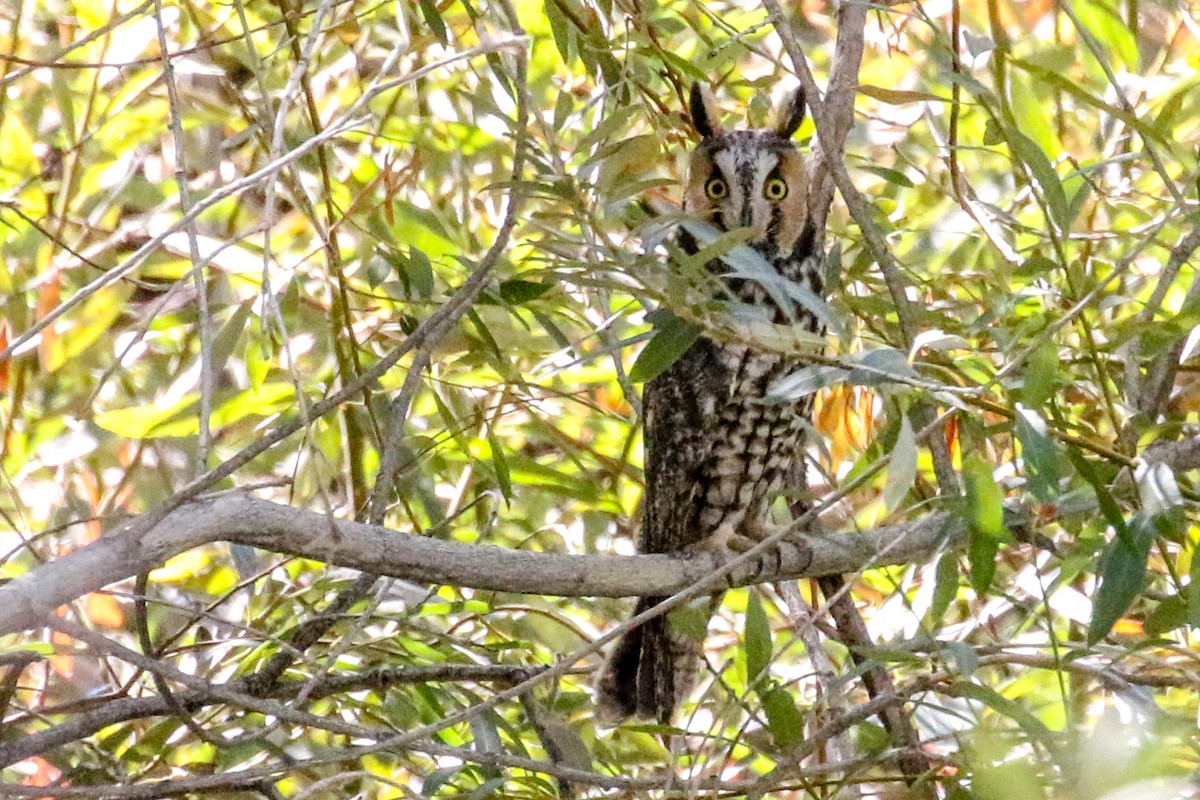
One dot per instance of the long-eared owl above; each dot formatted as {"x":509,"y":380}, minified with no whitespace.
{"x":717,"y":451}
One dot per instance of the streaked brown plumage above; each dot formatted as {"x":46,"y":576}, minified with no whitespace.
{"x":717,"y":453}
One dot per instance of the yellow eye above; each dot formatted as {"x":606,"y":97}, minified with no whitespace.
{"x":716,"y":188}
{"x":775,"y":189}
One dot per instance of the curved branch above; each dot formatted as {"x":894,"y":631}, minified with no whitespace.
{"x":298,"y":532}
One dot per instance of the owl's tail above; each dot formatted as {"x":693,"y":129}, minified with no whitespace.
{"x":649,"y":671}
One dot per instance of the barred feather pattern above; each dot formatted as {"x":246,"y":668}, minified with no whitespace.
{"x":717,"y":453}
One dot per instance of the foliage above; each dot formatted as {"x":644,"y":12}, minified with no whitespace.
{"x":1036,"y":185}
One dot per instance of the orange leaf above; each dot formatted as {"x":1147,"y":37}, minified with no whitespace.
{"x":612,"y":401}
{"x":62,"y":663}
{"x":47,"y":300}
{"x":44,"y":773}
{"x":104,"y":611}
{"x":1128,"y":627}
{"x":4,"y":363}
{"x":953,"y":442}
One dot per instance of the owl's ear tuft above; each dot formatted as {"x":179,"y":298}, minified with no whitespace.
{"x":706,"y":119}
{"x":791,"y":114}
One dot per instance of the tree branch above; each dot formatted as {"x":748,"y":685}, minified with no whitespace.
{"x":270,"y":526}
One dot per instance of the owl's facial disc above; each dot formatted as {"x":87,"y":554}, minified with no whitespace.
{"x":754,"y":180}
{"x":745,"y":203}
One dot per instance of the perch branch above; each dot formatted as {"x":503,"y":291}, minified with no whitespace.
{"x":307,"y":534}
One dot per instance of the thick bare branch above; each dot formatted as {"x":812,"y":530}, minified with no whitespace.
{"x":259,"y":523}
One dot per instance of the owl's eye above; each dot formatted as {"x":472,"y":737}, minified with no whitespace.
{"x":716,"y":188}
{"x":775,"y":189}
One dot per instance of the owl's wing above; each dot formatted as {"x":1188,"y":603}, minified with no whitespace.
{"x":681,"y":406}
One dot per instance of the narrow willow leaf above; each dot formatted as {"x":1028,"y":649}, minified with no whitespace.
{"x":902,"y":469}
{"x":1122,"y":572}
{"x":1038,"y":452}
{"x":671,"y":340}
{"x":985,"y":519}
{"x":890,"y":175}
{"x":437,"y":779}
{"x":418,"y":272}
{"x":500,"y":467}
{"x":1109,"y":30}
{"x":944,"y":590}
{"x":783,"y":718}
{"x":517,"y":292}
{"x":152,"y":421}
{"x":1032,"y":726}
{"x":1108,"y":504}
{"x":804,"y":382}
{"x":880,"y":366}
{"x":691,"y":621}
{"x":485,"y":334}
{"x":231,"y":332}
{"x":1192,"y":590}
{"x":1041,"y":375}
{"x":560,"y":29}
{"x":935,"y":339}
{"x":899,"y":97}
{"x":1171,"y":613}
{"x":433,"y":19}
{"x":965,"y":659}
{"x":1047,"y":178}
{"x":756,"y":643}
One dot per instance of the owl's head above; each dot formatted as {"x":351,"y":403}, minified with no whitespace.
{"x":753,"y":179}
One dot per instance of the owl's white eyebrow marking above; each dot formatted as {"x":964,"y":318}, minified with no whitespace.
{"x":726,"y":161}
{"x":742,"y":167}
{"x":767,"y":161}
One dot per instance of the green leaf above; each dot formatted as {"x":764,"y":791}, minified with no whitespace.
{"x":1109,"y":30}
{"x":262,"y":401}
{"x":945,"y":589}
{"x":517,"y":292}
{"x":565,"y":104}
{"x":485,"y":334}
{"x":1029,"y":104}
{"x":965,"y":659}
{"x":1108,"y":504}
{"x":227,"y":338}
{"x":1170,"y":614}
{"x":438,"y":779}
{"x":500,"y":467}
{"x":433,"y":19}
{"x":899,"y":97}
{"x":258,"y":362}
{"x":672,"y":338}
{"x":1032,"y":726}
{"x":902,"y":469}
{"x":1047,"y":178}
{"x":993,"y":133}
{"x":152,"y":421}
{"x":889,"y":175}
{"x":756,"y":643}
{"x":691,"y":621}
{"x":985,"y":519}
{"x":1041,"y":374}
{"x":1192,"y":590}
{"x":783,"y":718}
{"x":419,"y":272}
{"x":805,"y":381}
{"x":1122,"y":572}
{"x":881,"y":365}
{"x":1038,"y":452}
{"x":872,"y":739}
{"x":560,"y":29}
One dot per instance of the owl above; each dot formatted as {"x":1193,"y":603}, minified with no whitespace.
{"x":717,"y":451}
